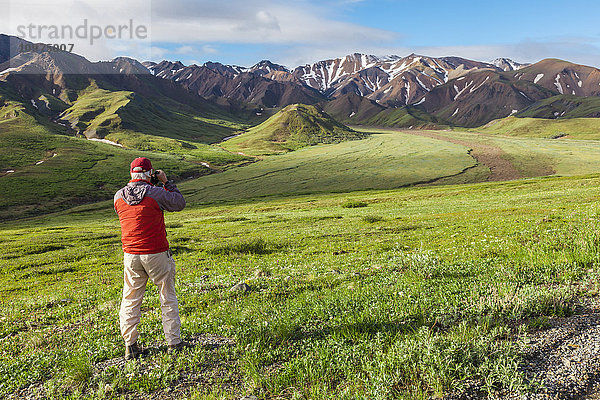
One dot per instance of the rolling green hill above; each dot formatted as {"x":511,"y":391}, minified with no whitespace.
{"x":41,"y":171}
{"x":405,"y":117}
{"x":99,"y":112}
{"x":577,"y":128}
{"x":380,"y":161}
{"x":159,"y":125}
{"x":563,"y":106}
{"x":293,"y":127}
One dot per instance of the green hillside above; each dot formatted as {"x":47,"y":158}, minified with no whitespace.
{"x":45,"y":167}
{"x":389,"y":159}
{"x":374,"y":295}
{"x":577,"y":128}
{"x":381,"y":161}
{"x":405,"y":117}
{"x":94,"y":114}
{"x":293,"y":127}
{"x":159,"y":125}
{"x":100,"y":113}
{"x":52,"y":172}
{"x":118,"y":111}
{"x":563,"y":106}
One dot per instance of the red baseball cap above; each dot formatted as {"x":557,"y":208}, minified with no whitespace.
{"x":141,"y":164}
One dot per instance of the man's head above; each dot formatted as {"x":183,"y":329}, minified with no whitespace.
{"x":141,"y":168}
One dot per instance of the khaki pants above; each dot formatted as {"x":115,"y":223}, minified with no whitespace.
{"x":160,"y":268}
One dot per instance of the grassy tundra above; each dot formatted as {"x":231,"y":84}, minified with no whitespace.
{"x":389,"y":159}
{"x":376,"y":294}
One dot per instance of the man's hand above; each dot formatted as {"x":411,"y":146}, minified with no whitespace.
{"x":162,"y":176}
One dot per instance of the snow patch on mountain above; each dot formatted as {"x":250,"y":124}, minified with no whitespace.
{"x":462,"y":90}
{"x":538,"y":77}
{"x":480,"y":85}
{"x":524,"y":95}
{"x":8,"y":70}
{"x":506,"y":64}
{"x":422,"y":84}
{"x":558,"y":84}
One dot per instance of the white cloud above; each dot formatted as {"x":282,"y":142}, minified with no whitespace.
{"x":265,"y":19}
{"x":209,"y":49}
{"x":187,"y":23}
{"x":256,"y":21}
{"x":184,"y":50}
{"x":157,"y":53}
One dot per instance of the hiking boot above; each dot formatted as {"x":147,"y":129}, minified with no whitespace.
{"x":132,"y":351}
{"x":174,"y":348}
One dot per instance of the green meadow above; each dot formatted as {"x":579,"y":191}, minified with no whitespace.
{"x":378,"y":268}
{"x":389,"y":159}
{"x":403,"y":293}
{"x":381,"y":161}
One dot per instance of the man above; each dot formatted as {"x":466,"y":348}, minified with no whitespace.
{"x":140,"y":207}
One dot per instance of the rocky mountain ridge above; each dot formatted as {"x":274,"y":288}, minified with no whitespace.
{"x":454,"y":90}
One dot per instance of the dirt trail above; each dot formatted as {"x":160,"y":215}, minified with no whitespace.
{"x":485,"y":154}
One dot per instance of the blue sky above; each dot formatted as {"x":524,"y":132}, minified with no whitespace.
{"x":296,"y":32}
{"x":452,"y":23}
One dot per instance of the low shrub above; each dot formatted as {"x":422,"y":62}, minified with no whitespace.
{"x":354,"y":204}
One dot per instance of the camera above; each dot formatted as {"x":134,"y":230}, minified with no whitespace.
{"x":154,"y":178}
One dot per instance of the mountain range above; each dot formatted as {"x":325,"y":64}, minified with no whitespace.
{"x":412,"y":91}
{"x":450,"y":90}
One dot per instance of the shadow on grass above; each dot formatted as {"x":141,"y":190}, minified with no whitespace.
{"x":251,"y":246}
{"x":279,"y":335}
